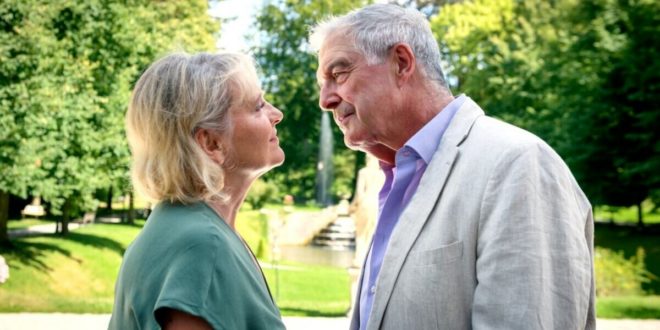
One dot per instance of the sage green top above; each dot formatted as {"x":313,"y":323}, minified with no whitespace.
{"x":187,"y":258}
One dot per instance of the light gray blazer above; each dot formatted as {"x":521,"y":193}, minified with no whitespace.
{"x":497,"y":236}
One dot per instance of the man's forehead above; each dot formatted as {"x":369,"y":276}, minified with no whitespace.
{"x":338,"y":60}
{"x":337,"y":54}
{"x":335,"y":43}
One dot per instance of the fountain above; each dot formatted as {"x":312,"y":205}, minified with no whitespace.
{"x":324,"y":167}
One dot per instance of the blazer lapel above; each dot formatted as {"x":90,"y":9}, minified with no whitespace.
{"x":420,"y":206}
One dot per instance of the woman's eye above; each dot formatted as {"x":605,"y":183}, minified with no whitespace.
{"x":260,"y":105}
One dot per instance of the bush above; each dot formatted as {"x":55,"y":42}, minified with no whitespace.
{"x":262,"y":192}
{"x":618,"y":276}
{"x":253,"y":227}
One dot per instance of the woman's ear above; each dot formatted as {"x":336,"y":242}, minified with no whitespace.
{"x":210,"y":144}
{"x":404,"y":62}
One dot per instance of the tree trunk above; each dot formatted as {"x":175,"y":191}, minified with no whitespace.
{"x":131,"y":208}
{"x":4,"y":217}
{"x":640,"y":216}
{"x":109,"y":201}
{"x":65,"y":216}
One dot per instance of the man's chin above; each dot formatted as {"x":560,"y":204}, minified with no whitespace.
{"x":354,"y":145}
{"x":378,"y":150}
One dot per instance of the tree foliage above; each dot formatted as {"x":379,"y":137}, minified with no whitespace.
{"x":290,"y":69}
{"x":66,"y":71}
{"x":582,"y":75}
{"x":615,"y":146}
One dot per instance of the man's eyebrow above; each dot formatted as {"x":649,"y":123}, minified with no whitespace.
{"x":342,"y":61}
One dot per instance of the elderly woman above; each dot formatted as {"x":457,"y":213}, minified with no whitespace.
{"x":200,"y":133}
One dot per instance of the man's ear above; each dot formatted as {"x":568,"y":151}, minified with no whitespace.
{"x":404,"y":62}
{"x":210,"y":144}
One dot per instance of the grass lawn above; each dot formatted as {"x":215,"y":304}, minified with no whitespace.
{"x":303,"y":290}
{"x":77,"y":273}
{"x":627,"y":214}
{"x":74,"y":274}
{"x":647,"y":307}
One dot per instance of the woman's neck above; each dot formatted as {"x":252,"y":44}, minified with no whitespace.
{"x":236,"y":188}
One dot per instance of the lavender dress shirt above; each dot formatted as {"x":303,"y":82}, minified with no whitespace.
{"x":401,"y":182}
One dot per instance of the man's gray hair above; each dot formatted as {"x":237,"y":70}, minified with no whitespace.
{"x":376,"y":28}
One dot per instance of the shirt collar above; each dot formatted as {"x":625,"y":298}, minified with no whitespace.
{"x":426,"y":141}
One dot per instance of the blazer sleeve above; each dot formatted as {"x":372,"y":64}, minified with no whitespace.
{"x":534,"y":265}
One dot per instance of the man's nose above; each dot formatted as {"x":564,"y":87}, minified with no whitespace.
{"x":328,"y":99}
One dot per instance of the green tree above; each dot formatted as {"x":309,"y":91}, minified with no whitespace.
{"x":574,"y":73}
{"x":290,"y":68}
{"x":174,"y":25}
{"x":66,"y":71}
{"x":21,"y":46}
{"x":429,"y":7}
{"x":502,"y":53}
{"x":614,"y":147}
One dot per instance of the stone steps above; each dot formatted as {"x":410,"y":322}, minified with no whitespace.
{"x":338,"y":235}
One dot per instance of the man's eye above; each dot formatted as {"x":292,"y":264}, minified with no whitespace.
{"x":339,"y":75}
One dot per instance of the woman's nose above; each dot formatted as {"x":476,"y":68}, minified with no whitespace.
{"x":276,"y":115}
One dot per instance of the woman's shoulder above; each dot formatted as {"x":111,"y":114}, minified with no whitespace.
{"x":189,"y":223}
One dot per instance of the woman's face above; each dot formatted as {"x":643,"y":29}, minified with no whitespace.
{"x":253,"y":145}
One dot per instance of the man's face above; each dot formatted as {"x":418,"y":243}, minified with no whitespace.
{"x":359,"y":95}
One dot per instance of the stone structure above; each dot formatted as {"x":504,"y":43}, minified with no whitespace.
{"x":364,"y":210}
{"x":34,"y":209}
{"x":340,"y":233}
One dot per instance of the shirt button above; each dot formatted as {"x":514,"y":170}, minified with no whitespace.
{"x":372,"y":290}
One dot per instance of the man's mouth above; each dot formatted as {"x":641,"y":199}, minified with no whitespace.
{"x":344,"y":116}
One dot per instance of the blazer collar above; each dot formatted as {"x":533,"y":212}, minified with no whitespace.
{"x":421,"y":204}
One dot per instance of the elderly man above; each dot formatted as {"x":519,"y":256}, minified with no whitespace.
{"x":481,"y":224}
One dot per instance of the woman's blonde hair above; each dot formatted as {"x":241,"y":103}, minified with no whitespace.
{"x":174,"y":97}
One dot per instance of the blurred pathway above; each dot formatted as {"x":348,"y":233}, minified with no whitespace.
{"x":38,"y":230}
{"x":50,"y":228}
{"x":59,"y":321}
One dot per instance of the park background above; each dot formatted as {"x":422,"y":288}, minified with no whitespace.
{"x":583,"y":75}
